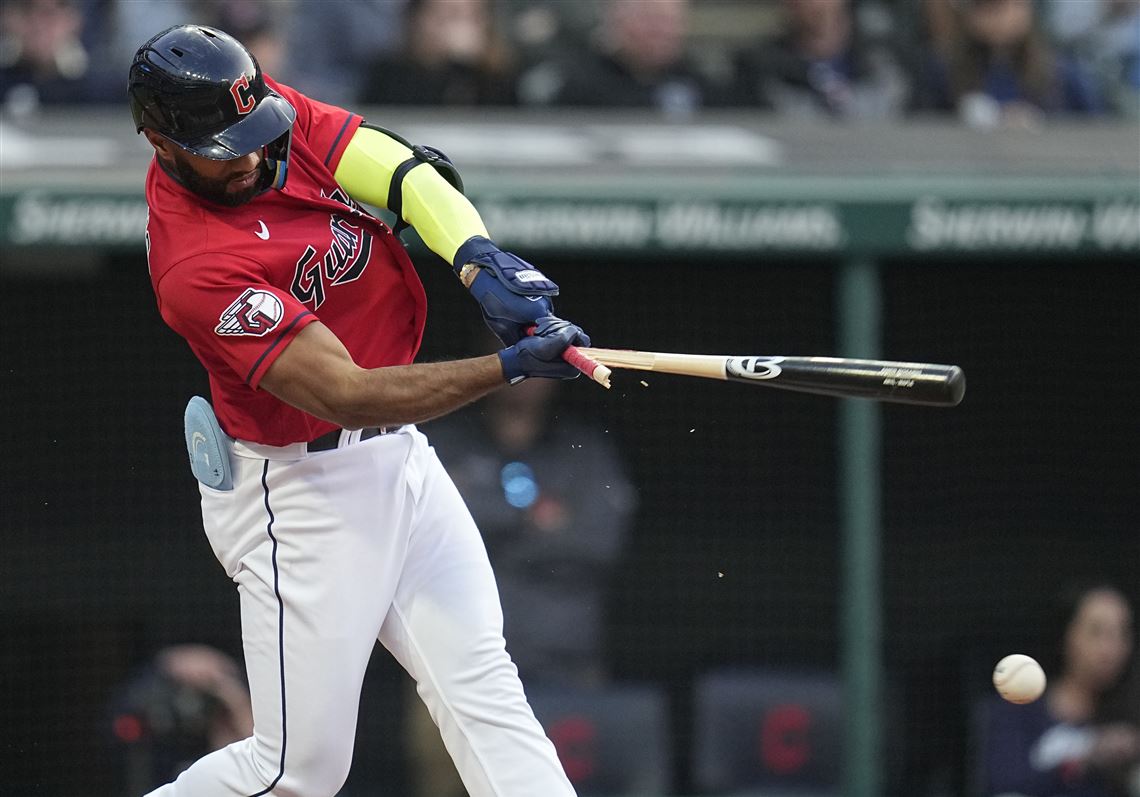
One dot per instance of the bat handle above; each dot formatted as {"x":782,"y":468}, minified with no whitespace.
{"x":587,"y":365}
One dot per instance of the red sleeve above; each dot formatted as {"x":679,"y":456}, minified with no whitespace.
{"x":229,"y":315}
{"x":326,"y":128}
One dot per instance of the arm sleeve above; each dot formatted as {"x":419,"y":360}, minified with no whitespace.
{"x":443,"y":217}
{"x":230,"y":316}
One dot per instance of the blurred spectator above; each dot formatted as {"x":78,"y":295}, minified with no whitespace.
{"x":452,"y":55}
{"x":552,"y":500}
{"x":259,"y":24}
{"x":539,"y":29}
{"x":331,"y":41}
{"x":1105,"y":34}
{"x":823,"y":64}
{"x":135,"y":21}
{"x":189,"y":701}
{"x":43,"y":60}
{"x":555,"y":506}
{"x":1083,"y":737}
{"x":992,"y":64}
{"x":637,"y":60}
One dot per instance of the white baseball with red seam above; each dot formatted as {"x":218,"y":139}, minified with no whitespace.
{"x":1019,"y":678}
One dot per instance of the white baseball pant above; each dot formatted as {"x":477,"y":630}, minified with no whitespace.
{"x":332,"y":551}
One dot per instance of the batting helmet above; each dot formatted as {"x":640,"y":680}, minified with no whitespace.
{"x":203,"y":90}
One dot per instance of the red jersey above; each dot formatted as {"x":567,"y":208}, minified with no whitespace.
{"x":239,"y":283}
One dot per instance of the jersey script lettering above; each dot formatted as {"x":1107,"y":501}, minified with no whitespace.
{"x":344,"y":260}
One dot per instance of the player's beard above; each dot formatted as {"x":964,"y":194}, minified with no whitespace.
{"x":217,"y":190}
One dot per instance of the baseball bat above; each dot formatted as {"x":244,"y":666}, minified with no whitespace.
{"x":881,"y":380}
{"x":591,"y":368}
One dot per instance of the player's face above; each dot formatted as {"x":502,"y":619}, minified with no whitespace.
{"x":231,"y":183}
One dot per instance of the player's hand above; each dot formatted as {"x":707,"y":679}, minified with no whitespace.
{"x":512,"y":293}
{"x":541,"y":353}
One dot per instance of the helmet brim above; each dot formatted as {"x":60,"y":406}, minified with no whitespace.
{"x":271,"y":119}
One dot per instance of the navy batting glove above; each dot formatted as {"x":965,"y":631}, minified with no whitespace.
{"x":541,"y":353}
{"x":512,"y":293}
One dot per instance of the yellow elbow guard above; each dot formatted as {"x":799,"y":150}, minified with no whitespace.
{"x":379,"y":168}
{"x":420,"y":154}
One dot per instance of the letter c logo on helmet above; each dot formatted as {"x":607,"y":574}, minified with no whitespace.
{"x":243,"y":96}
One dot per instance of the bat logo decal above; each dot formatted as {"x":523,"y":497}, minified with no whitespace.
{"x":753,"y":367}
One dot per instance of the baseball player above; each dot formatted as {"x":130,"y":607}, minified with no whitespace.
{"x":319,"y":497}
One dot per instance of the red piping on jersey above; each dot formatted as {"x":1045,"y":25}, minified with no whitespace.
{"x":339,"y":136}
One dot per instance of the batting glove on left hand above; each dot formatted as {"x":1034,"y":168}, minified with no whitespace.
{"x":541,"y":353}
{"x":512,"y":293}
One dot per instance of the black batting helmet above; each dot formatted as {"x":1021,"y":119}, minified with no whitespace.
{"x":202,"y":89}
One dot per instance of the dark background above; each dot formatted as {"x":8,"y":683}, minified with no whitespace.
{"x":988,"y":510}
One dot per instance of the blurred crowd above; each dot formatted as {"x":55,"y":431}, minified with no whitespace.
{"x":988,"y":62}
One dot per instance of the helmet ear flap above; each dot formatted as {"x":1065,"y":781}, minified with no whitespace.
{"x":278,"y":170}
{"x":277,"y":158}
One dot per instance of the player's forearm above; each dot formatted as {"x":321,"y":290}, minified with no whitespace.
{"x":316,"y":374}
{"x":415,"y":393}
{"x":355,"y":398}
{"x":442,"y":216}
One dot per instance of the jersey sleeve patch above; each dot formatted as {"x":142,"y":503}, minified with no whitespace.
{"x":254,"y":312}
{"x":229,"y":315}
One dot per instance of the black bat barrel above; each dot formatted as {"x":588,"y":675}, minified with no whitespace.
{"x":882,"y":380}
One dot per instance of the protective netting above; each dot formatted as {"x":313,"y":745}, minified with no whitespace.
{"x":734,"y":556}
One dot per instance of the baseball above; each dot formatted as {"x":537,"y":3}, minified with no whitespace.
{"x":1019,"y":679}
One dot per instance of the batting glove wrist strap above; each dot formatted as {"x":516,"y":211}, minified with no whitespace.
{"x":512,"y":294}
{"x":516,"y":275}
{"x":512,"y":368}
